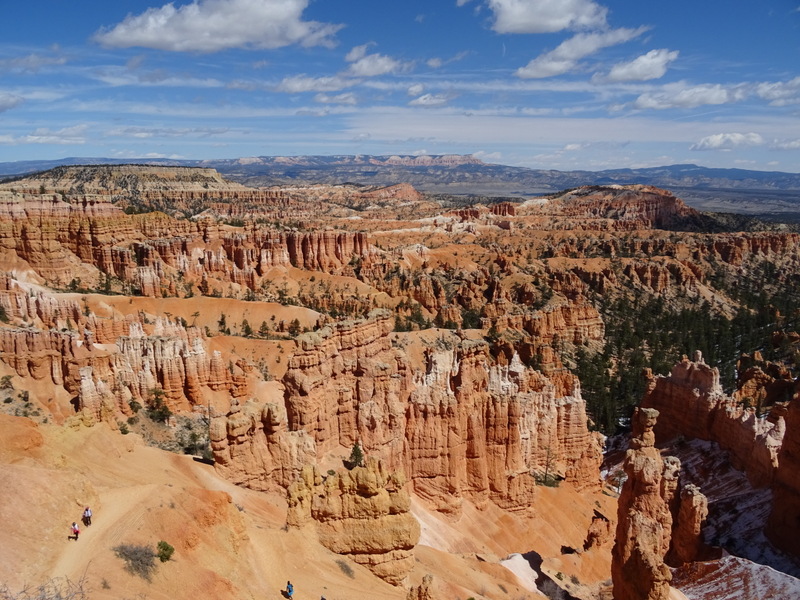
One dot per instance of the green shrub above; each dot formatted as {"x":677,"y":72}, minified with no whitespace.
{"x":356,"y":458}
{"x":165,"y":551}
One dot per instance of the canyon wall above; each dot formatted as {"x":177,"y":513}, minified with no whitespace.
{"x":693,"y":404}
{"x":456,"y":425}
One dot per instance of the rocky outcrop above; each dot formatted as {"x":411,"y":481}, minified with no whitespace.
{"x":363,"y":514}
{"x":659,"y":521}
{"x":422,"y":591}
{"x":599,"y":533}
{"x":106,"y":363}
{"x":783,"y":527}
{"x":693,"y":404}
{"x":457,"y":425}
{"x":624,"y":207}
{"x":253,"y":446}
{"x":74,"y":231}
{"x":687,"y":540}
{"x":644,"y":520}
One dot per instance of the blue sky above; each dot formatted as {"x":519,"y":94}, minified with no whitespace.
{"x":561,"y":84}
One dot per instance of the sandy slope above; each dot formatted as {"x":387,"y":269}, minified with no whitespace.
{"x":232,"y":543}
{"x":229,"y":542}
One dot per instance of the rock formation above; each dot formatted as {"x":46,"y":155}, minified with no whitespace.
{"x":693,"y":404}
{"x":783,"y":527}
{"x":644,"y":520}
{"x":599,"y":533}
{"x":659,"y":521}
{"x":422,"y":591}
{"x":687,"y":539}
{"x":458,"y":427}
{"x":363,"y":514}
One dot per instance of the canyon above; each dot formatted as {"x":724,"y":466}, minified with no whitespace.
{"x":467,"y":353}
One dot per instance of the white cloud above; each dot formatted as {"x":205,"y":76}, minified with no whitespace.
{"x":652,"y":65}
{"x":780,"y":93}
{"x":9,"y":101}
{"x":728,"y":141}
{"x":358,"y":52}
{"x":438,"y":63}
{"x":372,"y":65}
{"x":429,"y":100}
{"x":566,"y":55}
{"x":488,"y":157}
{"x":346,"y":98}
{"x":302,"y":83}
{"x":67,"y":135}
{"x":546,"y":16}
{"x":416,"y":89}
{"x":213,"y":25}
{"x":787,"y":145}
{"x":677,"y":95}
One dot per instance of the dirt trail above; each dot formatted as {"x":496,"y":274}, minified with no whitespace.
{"x":122,"y":512}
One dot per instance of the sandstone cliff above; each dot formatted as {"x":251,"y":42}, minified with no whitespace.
{"x":693,"y":404}
{"x":363,"y":514}
{"x":783,"y":528}
{"x":657,"y":519}
{"x":456,"y":425}
{"x":644,"y":520}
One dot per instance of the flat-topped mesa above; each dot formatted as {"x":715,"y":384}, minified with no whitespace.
{"x":692,"y":404}
{"x":456,"y":424}
{"x":363,"y":514}
{"x":142,"y":183}
{"x":449,"y":160}
{"x":622,"y":207}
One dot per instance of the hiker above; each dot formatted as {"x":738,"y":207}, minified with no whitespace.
{"x":289,"y":589}
{"x":87,"y":516}
{"x":75,"y":531}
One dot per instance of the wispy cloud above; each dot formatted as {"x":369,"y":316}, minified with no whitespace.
{"x":157,"y":132}
{"x":302,"y":83}
{"x":780,"y":93}
{"x":44,"y":135}
{"x":429,"y":100}
{"x":119,"y":76}
{"x":213,"y":25}
{"x":30,"y":63}
{"x":787,"y":145}
{"x":565,"y":56}
{"x":652,"y":65}
{"x":546,"y":16}
{"x":9,"y":101}
{"x":679,"y":95}
{"x":372,"y":65}
{"x":346,"y":98}
{"x":728,"y":141}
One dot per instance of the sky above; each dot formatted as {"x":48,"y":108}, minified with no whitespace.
{"x":545,"y":84}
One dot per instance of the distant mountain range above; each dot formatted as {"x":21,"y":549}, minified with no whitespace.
{"x":769,"y":194}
